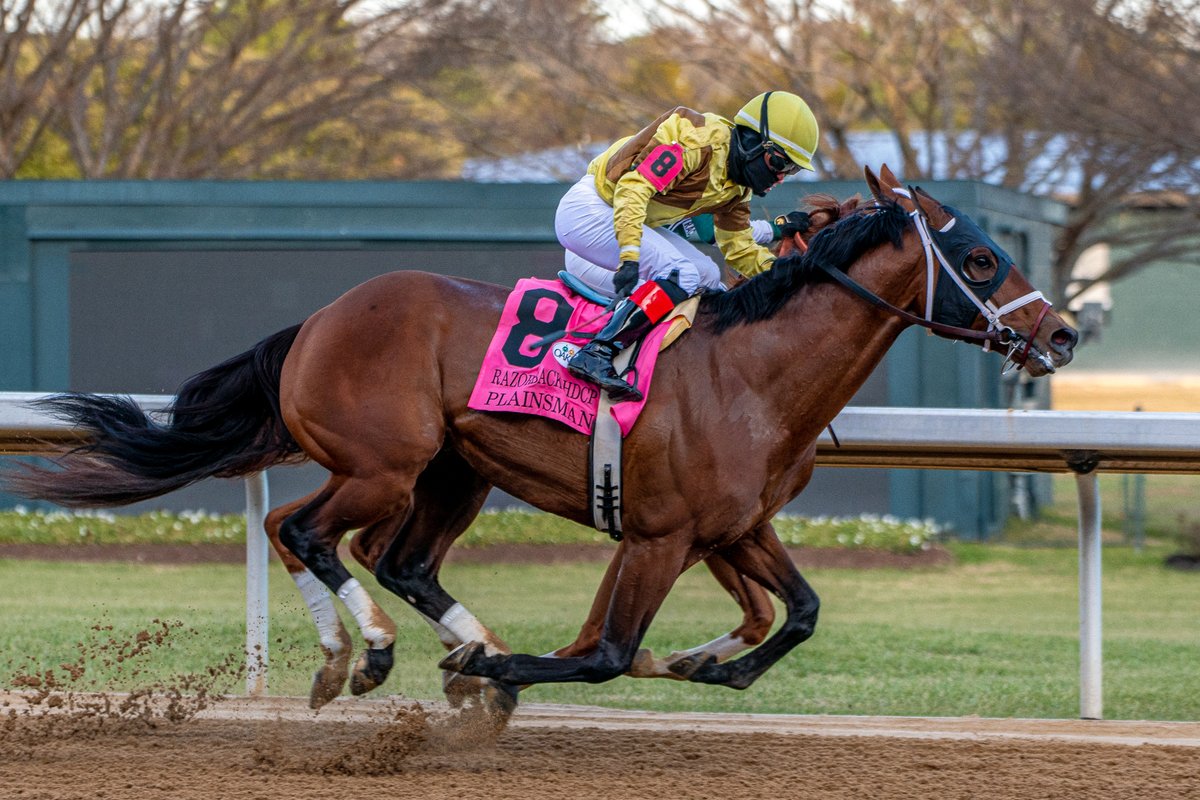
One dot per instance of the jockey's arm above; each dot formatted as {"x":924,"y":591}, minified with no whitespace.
{"x":630,"y":199}
{"x":735,"y":239}
{"x":664,"y":163}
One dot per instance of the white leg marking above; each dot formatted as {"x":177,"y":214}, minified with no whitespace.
{"x":448,"y":639}
{"x":722,"y":647}
{"x":366,"y":614}
{"x":462,"y":624}
{"x":320,"y":606}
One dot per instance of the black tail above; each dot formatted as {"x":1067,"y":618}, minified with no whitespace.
{"x":224,"y":422}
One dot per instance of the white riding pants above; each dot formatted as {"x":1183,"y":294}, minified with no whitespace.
{"x":584,"y":224}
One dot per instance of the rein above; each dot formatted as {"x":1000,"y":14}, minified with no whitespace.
{"x":1002,"y":336}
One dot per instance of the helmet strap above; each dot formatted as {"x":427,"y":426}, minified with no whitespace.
{"x":764,"y":129}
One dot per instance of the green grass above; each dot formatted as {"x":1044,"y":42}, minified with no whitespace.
{"x":994,"y":634}
{"x":1171,"y":513}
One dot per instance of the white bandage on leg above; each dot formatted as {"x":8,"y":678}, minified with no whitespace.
{"x":320,"y":606}
{"x":443,"y":633}
{"x":375,"y":626}
{"x":462,"y":623}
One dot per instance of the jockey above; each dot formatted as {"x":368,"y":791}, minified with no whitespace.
{"x":681,"y":165}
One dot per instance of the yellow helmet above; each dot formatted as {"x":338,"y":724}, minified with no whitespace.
{"x":786,"y":120}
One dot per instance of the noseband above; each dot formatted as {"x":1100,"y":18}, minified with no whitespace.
{"x":997,"y":332}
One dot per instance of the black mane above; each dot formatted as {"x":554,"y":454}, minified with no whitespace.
{"x":839,"y":245}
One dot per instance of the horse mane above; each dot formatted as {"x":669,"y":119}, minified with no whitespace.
{"x":846,"y":231}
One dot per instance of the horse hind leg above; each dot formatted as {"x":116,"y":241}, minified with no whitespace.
{"x":312,"y":534}
{"x":334,"y":639}
{"x":446,"y":499}
{"x":375,"y":664}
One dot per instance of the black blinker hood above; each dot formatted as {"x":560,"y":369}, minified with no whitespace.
{"x":951,"y":306}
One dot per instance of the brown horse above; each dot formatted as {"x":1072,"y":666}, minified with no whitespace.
{"x":374,"y":387}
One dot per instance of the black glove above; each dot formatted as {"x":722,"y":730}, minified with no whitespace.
{"x":626,"y":278}
{"x":794,"y":222}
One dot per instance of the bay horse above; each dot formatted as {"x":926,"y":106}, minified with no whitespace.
{"x":374,"y":387}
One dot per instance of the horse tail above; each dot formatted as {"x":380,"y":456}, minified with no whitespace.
{"x":224,"y":422}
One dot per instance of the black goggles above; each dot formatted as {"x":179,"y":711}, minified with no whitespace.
{"x":778,"y":161}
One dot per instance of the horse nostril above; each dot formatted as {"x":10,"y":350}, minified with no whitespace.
{"x":1064,"y":339}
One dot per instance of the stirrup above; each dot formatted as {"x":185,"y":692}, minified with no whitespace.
{"x":597,"y":367}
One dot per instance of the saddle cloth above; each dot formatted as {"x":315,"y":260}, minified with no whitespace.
{"x":524,"y":369}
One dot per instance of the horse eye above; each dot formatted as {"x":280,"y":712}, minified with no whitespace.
{"x":982,"y":261}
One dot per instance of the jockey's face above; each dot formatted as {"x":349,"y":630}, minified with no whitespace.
{"x":778,"y":162}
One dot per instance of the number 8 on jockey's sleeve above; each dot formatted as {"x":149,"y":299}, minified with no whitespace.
{"x":683,"y":164}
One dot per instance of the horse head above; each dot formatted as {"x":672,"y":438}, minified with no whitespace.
{"x":972,"y":284}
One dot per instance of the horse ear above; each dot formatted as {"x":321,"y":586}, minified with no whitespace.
{"x":873,"y":183}
{"x":885,"y":187}
{"x":887,"y":177}
{"x":932,"y":208}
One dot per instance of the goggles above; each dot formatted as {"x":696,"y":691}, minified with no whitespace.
{"x":778,"y":161}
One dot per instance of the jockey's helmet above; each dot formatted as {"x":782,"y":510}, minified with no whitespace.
{"x":786,"y":120}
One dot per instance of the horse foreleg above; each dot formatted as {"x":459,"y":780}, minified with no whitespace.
{"x":589,"y":633}
{"x":761,"y":556}
{"x":757,"y":617}
{"x":332,"y":635}
{"x":647,"y":571}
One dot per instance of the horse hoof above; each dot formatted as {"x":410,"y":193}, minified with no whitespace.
{"x":461,"y":689}
{"x":371,"y":669}
{"x":327,"y":685}
{"x":687,"y":667}
{"x":727,"y":674}
{"x":461,"y":658}
{"x":500,"y":700}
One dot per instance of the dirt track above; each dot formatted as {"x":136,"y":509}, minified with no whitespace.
{"x":276,"y":748}
{"x":116,"y":749}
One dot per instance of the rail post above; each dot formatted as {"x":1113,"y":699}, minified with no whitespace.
{"x":1091,"y":662}
{"x":257,"y":601}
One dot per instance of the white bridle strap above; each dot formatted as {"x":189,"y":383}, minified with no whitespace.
{"x":1013,"y":305}
{"x":987,"y":309}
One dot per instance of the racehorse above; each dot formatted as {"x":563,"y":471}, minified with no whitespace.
{"x":374,"y":387}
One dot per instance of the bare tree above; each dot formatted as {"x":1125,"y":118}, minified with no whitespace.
{"x":35,"y":41}
{"x":1095,"y":104}
{"x":750,"y":46}
{"x":1090,"y":101}
{"x":211,"y":88}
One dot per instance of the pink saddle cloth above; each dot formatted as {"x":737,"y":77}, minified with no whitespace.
{"x":525,"y":368}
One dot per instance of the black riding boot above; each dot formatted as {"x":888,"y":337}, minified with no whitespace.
{"x":595,"y":361}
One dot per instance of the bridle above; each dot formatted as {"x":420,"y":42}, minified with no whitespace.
{"x":997,"y":333}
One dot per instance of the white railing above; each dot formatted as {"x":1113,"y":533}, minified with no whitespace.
{"x":1087,"y":443}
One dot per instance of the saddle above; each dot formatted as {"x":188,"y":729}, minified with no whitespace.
{"x":604,"y":448}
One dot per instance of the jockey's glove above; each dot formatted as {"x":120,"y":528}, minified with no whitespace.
{"x":626,"y":278}
{"x":790,"y":224}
